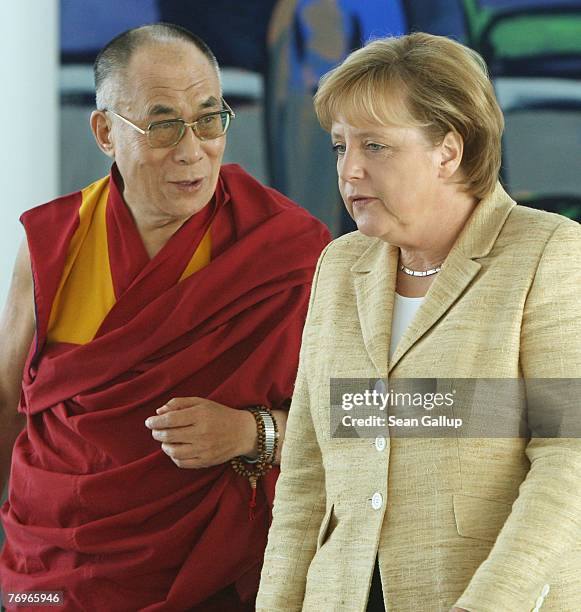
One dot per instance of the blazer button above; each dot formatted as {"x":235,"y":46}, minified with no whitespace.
{"x":380,"y":443}
{"x":380,"y":387}
{"x":377,"y":500}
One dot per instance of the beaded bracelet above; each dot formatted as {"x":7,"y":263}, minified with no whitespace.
{"x":256,"y":468}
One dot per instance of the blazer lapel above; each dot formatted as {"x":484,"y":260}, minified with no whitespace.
{"x":375,"y":275}
{"x":475,"y":241}
{"x":445,"y":290}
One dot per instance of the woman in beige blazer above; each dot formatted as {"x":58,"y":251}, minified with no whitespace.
{"x":446,"y":278}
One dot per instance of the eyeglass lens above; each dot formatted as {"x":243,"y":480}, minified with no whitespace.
{"x":169,"y":133}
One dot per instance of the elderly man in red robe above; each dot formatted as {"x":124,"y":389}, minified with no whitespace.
{"x":150,"y":342}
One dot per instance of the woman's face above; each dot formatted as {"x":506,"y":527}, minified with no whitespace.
{"x":390,"y":180}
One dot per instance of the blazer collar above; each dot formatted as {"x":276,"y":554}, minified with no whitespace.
{"x":375,"y":274}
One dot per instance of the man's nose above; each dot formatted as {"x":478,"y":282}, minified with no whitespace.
{"x":189,"y":149}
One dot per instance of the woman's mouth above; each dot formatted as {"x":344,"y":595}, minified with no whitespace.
{"x":360,"y":202}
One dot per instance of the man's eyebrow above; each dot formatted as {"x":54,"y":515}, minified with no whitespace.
{"x":161,"y":109}
{"x":210,"y":102}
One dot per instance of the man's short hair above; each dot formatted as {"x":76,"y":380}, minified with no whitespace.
{"x":424,"y":81}
{"x":114,"y":58}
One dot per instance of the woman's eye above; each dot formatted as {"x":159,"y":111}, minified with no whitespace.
{"x":373,"y":146}
{"x":339,"y":149}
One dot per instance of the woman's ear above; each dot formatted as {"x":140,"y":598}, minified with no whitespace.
{"x":451,"y":151}
{"x":101,"y":128}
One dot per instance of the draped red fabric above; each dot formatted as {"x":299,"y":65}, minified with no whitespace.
{"x":95,"y":508}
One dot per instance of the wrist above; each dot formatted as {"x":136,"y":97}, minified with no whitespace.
{"x":249,"y":440}
{"x":264,"y":439}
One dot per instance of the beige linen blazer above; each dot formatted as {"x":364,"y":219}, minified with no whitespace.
{"x":489,"y":525}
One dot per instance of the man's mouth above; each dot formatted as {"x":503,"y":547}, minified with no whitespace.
{"x":192,"y":185}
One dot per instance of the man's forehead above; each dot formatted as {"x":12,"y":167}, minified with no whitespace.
{"x":163,"y":76}
{"x":175,"y":50}
{"x":174,"y":64}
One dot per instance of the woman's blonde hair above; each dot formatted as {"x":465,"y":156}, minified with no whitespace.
{"x":425,"y":81}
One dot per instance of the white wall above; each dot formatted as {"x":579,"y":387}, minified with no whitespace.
{"x":29,"y":48}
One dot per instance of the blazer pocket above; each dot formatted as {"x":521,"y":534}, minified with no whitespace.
{"x":327,"y":526}
{"x":480,"y":518}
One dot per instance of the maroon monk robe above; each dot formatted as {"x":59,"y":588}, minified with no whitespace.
{"x":95,"y":507}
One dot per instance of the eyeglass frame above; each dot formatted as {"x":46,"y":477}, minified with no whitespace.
{"x":192,"y":124}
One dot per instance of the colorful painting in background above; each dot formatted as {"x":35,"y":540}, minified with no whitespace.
{"x":526,"y":37}
{"x":533,"y":52}
{"x":326,"y":31}
{"x":531,"y":47}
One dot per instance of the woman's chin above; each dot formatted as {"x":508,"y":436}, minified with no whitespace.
{"x":373,"y":230}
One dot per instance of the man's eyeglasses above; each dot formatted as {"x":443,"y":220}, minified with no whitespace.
{"x":169,"y":132}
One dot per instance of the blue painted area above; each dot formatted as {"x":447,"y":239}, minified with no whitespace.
{"x":441,"y":17}
{"x":361,"y":22}
{"x":87,"y":26}
{"x":383,"y":18}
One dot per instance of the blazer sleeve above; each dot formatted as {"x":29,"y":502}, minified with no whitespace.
{"x":545,"y":521}
{"x":299,"y":503}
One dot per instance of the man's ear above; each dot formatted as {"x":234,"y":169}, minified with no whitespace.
{"x":451,"y":151}
{"x":101,"y":128}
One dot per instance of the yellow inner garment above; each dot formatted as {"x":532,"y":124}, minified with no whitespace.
{"x":85,"y":294}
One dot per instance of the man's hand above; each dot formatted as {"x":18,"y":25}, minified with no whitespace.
{"x":197,"y":433}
